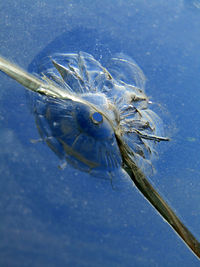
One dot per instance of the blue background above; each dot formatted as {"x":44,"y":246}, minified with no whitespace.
{"x":52,"y":217}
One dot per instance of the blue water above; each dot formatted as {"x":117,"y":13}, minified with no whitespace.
{"x":53,"y":217}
